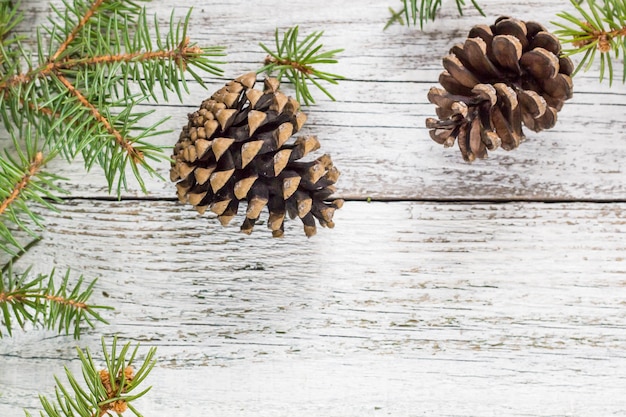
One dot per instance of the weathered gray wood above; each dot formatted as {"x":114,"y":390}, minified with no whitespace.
{"x":442,"y":309}
{"x":402,"y":309}
{"x":375,"y":131}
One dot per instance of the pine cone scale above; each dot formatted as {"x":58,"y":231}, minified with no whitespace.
{"x":533,"y":28}
{"x":243,"y":186}
{"x":219,"y":146}
{"x":290,"y":182}
{"x":281,"y":159}
{"x":219,"y":207}
{"x":503,"y":129}
{"x":483,"y":32}
{"x":547,"y":41}
{"x":219,"y":178}
{"x":508,"y":51}
{"x":461,"y":74}
{"x":477,"y":146}
{"x":541,"y":63}
{"x":513,"y":27}
{"x":453,"y":86}
{"x":511,"y":109}
{"x":557,"y":87}
{"x":255,"y":119}
{"x":566,"y":66}
{"x":475,"y":51}
{"x":250,"y":150}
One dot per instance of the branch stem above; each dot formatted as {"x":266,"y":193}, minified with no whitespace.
{"x":179,"y":55}
{"x":602,"y":37}
{"x":60,"y":300}
{"x":92,"y":10}
{"x":294,"y":64}
{"x":19,"y":187}
{"x":10,"y":298}
{"x":135,"y":155}
{"x":18,"y":298}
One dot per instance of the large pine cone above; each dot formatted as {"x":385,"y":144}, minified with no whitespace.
{"x":235,"y":147}
{"x":506,"y":74}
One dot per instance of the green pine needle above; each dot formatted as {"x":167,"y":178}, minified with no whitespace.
{"x":295,"y":59}
{"x":81,"y":92}
{"x":425,"y":11}
{"x":10,"y":16}
{"x":78,"y":94}
{"x":24,"y":183}
{"x":45,"y":301}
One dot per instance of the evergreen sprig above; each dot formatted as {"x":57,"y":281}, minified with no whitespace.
{"x":41,"y":300}
{"x":601,"y":28}
{"x":76,"y":94}
{"x":106,"y":391}
{"x":77,"y":90}
{"x":295,"y":59}
{"x":426,"y":10}
{"x":23,"y":181}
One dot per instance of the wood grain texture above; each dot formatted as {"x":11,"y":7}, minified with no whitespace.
{"x":375,"y":130}
{"x":402,"y":309}
{"x":407,"y":308}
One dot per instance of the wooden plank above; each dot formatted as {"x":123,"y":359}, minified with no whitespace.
{"x":375,"y":131}
{"x":402,"y":309}
{"x":448,"y":309}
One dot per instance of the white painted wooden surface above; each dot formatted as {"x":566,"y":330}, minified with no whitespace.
{"x":418,"y":307}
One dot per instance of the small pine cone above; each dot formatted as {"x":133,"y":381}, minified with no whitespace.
{"x":503,"y":75}
{"x":236,"y":147}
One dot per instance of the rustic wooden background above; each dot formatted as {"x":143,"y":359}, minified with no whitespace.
{"x":491,"y":289}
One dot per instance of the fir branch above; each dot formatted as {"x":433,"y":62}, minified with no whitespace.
{"x":106,"y":391}
{"x":135,"y":154}
{"x":180,"y":56}
{"x":80,"y":96}
{"x":35,"y":165}
{"x":295,"y":59}
{"x":9,"y":18}
{"x":427,"y":10}
{"x":81,"y":23}
{"x":35,"y":301}
{"x":22,"y":180}
{"x":600,"y":28}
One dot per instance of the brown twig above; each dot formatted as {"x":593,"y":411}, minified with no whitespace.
{"x":60,"y":300}
{"x":602,"y":37}
{"x":76,"y":29}
{"x":32,"y":170}
{"x":18,"y":298}
{"x":294,"y":64}
{"x":18,"y":79}
{"x":136,"y":155}
{"x":53,"y":66}
{"x":10,"y":298}
{"x":179,"y":55}
{"x":52,"y":61}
